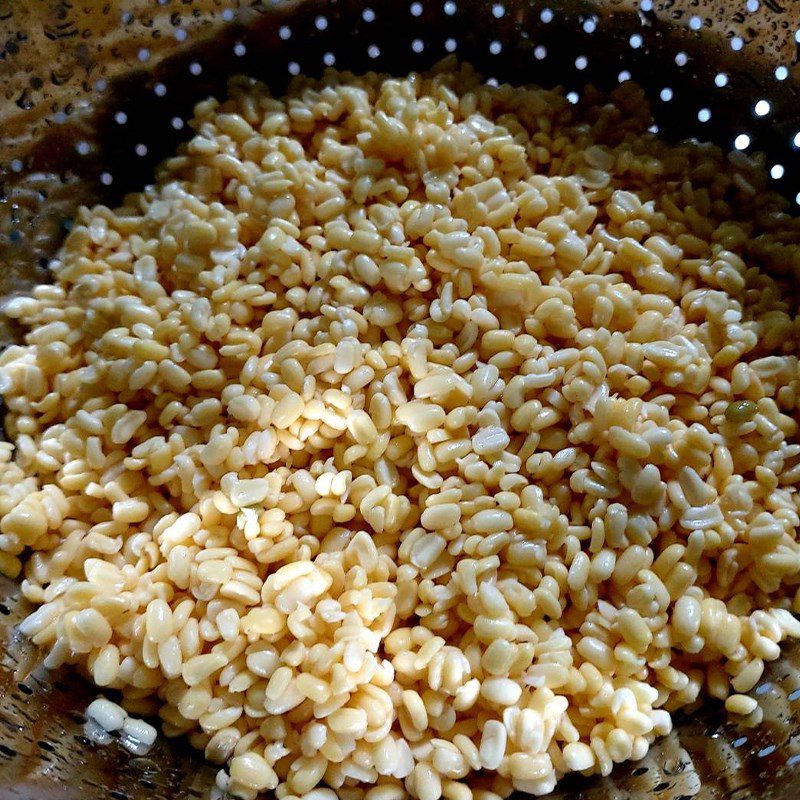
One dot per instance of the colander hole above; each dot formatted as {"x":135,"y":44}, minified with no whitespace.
{"x":661,"y":786}
{"x":776,"y":172}
{"x":321,"y":23}
{"x":495,"y":48}
{"x":115,"y":794}
{"x":762,"y":108}
{"x":540,"y":52}
{"x":7,"y":751}
{"x":106,"y":178}
{"x":797,"y":36}
{"x":417,"y":45}
{"x":140,"y":149}
{"x":195,"y":68}
{"x":590,"y":25}
{"x":581,"y":62}
{"x":294,"y":68}
{"x":546,"y":16}
{"x":766,"y":751}
{"x":492,"y":82}
{"x":792,"y":760}
{"x":752,"y":6}
{"x":498,"y":11}
{"x":83,"y":148}
{"x":126,"y":17}
{"x":666,"y":94}
{"x":59,"y":117}
{"x":573,"y":97}
{"x":4,"y":609}
{"x":646,"y":5}
{"x":284,"y":32}
{"x":681,"y":59}
{"x":653,"y":128}
{"x":45,"y":745}
{"x":120,"y":117}
{"x":177,"y":123}
{"x":373,"y":51}
{"x":797,"y":198}
{"x":721,"y":79}
{"x":636,"y":41}
{"x":143,"y":54}
{"x":100,"y":85}
{"x":160,"y":89}
{"x":639,"y":771}
{"x":704,"y":114}
{"x":739,"y":742}
{"x":239,"y":49}
{"x":737,"y":43}
{"x":741,"y":142}
{"x":781,"y":73}
{"x":449,"y":8}
{"x":450,"y":45}
{"x":794,"y":695}
{"x":368,"y":15}
{"x":624,"y":76}
{"x":329,"y":59}
{"x":227,"y":14}
{"x":25,"y":689}
{"x":695,"y":23}
{"x":416,"y":9}
{"x":180,"y":35}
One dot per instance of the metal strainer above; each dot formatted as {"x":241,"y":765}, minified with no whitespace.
{"x":95,"y":93}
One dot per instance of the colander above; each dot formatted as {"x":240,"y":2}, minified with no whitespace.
{"x":96,"y":92}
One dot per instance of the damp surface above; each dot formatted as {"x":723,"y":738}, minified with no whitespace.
{"x":92,"y":97}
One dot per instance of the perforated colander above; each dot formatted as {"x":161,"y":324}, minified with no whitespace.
{"x":95,"y":93}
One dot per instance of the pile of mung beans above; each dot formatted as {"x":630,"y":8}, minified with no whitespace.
{"x":414,"y":437}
